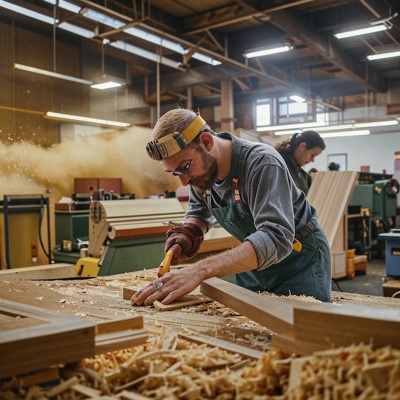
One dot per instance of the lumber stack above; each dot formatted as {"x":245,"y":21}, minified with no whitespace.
{"x":33,"y":338}
{"x":330,"y":194}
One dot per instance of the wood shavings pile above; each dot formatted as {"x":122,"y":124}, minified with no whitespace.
{"x":168,"y":368}
{"x":354,"y":372}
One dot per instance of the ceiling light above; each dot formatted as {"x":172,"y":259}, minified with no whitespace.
{"x":27,"y":13}
{"x":106,"y":82}
{"x":319,"y":129}
{"x":66,"y":26}
{"x":362,"y":31}
{"x":168,"y":44}
{"x":65,"y":5}
{"x":289,"y":126}
{"x":298,"y":99}
{"x":106,"y":85}
{"x":86,"y":120}
{"x":101,"y":18}
{"x":335,"y":127}
{"x":376,"y":124}
{"x":345,"y":133}
{"x":265,"y":51}
{"x":383,"y":55}
{"x":51,"y":73}
{"x":146,"y":54}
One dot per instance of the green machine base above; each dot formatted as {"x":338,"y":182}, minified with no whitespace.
{"x":132,"y":254}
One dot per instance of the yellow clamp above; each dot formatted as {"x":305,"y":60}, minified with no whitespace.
{"x":297,"y":246}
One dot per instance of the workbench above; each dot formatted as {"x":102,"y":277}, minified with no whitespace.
{"x":213,"y":324}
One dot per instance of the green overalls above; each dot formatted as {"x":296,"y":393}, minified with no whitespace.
{"x":301,"y":273}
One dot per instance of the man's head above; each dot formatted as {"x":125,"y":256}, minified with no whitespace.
{"x":173,"y":132}
{"x":182,"y":142}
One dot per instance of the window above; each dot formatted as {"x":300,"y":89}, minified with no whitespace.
{"x":291,"y":111}
{"x":263,"y":112}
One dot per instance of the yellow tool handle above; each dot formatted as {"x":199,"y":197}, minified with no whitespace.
{"x":166,"y":263}
{"x":297,"y":246}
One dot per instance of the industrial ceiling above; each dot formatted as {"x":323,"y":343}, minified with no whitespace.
{"x":319,"y":66}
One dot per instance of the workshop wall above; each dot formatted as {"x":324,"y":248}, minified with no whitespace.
{"x":377,"y":151}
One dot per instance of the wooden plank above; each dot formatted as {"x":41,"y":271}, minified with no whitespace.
{"x":60,"y":338}
{"x":305,"y":327}
{"x":135,"y":322}
{"x":274,"y":313}
{"x":50,"y":271}
{"x":223,"y":344}
{"x":48,"y":375}
{"x":185,"y":301}
{"x":329,"y":325}
{"x":120,"y":340}
{"x":295,"y":346}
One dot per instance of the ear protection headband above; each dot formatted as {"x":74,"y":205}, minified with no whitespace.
{"x":173,"y":143}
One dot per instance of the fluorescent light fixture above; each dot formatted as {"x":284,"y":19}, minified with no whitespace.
{"x":298,"y":99}
{"x":391,"y":54}
{"x":51,"y":73}
{"x":106,"y":85}
{"x":376,"y":124}
{"x":86,"y":120}
{"x":345,"y":133}
{"x":27,"y":13}
{"x":102,"y":18}
{"x":349,"y":127}
{"x":168,"y":44}
{"x":142,"y":34}
{"x":157,"y":40}
{"x":266,"y":51}
{"x":319,"y":129}
{"x":290,"y":126}
{"x":65,"y":5}
{"x":362,"y":31}
{"x":146,"y":54}
{"x":66,"y":26}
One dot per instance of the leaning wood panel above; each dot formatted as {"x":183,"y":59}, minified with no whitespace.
{"x":59,"y":338}
{"x":330,"y":194}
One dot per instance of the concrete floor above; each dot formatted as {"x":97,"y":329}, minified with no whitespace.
{"x":368,"y":284}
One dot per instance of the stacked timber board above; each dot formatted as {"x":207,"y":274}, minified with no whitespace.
{"x":33,"y":338}
{"x":330,"y":194}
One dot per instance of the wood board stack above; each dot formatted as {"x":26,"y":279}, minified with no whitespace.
{"x":330,"y":194}
{"x":33,"y":338}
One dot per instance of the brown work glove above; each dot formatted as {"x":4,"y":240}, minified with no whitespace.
{"x":188,"y":236}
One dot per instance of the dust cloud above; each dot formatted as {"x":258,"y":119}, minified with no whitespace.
{"x":27,"y":169}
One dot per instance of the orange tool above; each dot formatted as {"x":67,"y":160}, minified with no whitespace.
{"x":165,"y":264}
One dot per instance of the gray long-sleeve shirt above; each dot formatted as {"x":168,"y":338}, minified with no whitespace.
{"x":277,"y":206}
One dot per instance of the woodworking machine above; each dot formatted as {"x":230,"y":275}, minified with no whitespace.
{"x":127,"y":235}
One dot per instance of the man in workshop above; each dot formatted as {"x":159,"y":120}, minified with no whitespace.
{"x":247,"y":188}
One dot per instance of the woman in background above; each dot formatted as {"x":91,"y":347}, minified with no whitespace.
{"x":299,"y":150}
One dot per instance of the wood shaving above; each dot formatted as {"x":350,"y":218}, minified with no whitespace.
{"x":168,"y":367}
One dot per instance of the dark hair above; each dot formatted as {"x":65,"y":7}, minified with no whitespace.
{"x":310,"y":138}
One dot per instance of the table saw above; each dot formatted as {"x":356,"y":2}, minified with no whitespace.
{"x":127,"y":235}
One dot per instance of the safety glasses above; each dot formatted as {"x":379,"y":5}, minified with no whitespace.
{"x":182,"y":171}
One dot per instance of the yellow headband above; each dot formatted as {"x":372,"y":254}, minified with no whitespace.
{"x":173,"y":143}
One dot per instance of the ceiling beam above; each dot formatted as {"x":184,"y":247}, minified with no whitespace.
{"x":326,"y":48}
